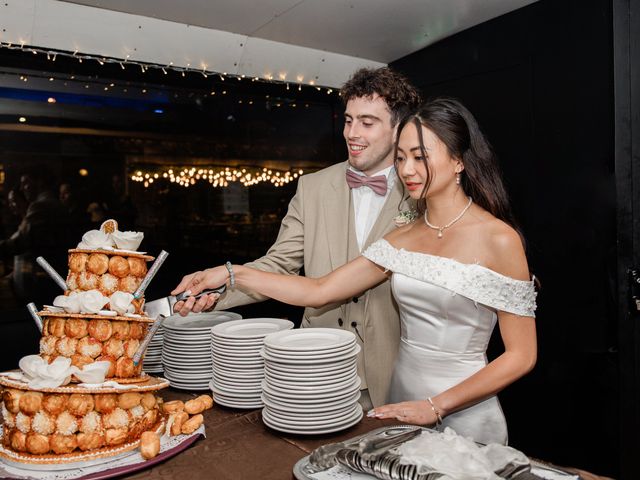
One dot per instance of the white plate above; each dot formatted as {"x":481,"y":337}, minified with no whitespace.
{"x":200,"y":370}
{"x":306,"y":398}
{"x":197,"y":354}
{"x":237,"y":342}
{"x":302,"y":387}
{"x":239,"y":396}
{"x":301,"y":362}
{"x":238,"y":363}
{"x":308,"y":379}
{"x":251,"y":328}
{"x":319,"y":353}
{"x":236,"y":402}
{"x":309,"y":339}
{"x":314,"y":422}
{"x":190,"y":387}
{"x":319,"y":370}
{"x":185,"y":364}
{"x":244,"y":359}
{"x":201,"y":320}
{"x":242,"y":396}
{"x":234,"y":374}
{"x":247,"y":355}
{"x":188,"y":338}
{"x":253,"y":350}
{"x":311,"y":431}
{"x":320,"y":408}
{"x":314,"y":416}
{"x":192,"y":349}
{"x":296,"y":357}
{"x":224,"y":382}
{"x":234,"y":389}
{"x":217,"y":342}
{"x":187,"y":378}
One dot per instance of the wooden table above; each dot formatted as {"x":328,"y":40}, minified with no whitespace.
{"x":238,"y":446}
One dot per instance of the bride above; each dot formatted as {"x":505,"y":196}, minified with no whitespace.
{"x":455,"y":271}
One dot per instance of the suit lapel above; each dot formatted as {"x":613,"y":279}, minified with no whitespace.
{"x":337,"y":213}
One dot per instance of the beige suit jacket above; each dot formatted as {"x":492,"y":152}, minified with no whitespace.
{"x":318,"y":234}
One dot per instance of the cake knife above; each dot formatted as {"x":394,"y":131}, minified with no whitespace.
{"x":162,"y":308}
{"x":34,"y":314}
{"x":52,"y":273}
{"x":150,"y":274}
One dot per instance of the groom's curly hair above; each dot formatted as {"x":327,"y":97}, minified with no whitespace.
{"x":399,"y":94}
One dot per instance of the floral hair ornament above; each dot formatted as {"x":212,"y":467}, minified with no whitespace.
{"x":405,"y":217}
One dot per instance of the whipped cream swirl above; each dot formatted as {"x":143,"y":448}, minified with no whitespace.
{"x":121,"y":302}
{"x":95,"y":240}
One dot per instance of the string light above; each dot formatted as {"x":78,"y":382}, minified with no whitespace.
{"x":101,"y":60}
{"x":217,"y":177}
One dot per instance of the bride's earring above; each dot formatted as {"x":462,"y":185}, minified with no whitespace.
{"x":458,"y":178}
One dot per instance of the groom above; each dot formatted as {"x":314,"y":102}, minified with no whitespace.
{"x":338,"y":212}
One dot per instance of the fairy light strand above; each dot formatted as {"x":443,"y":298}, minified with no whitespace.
{"x":126,"y":62}
{"x":217,"y":177}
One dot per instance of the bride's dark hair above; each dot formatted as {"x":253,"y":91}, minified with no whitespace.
{"x":458,"y":129}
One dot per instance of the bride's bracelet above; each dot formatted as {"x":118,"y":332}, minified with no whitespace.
{"x":436,"y":411}
{"x":232,"y":276}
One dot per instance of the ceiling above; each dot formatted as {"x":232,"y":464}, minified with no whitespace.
{"x":376,"y":30}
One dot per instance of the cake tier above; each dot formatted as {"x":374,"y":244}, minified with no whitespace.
{"x":88,"y":338}
{"x":65,"y":423}
{"x":107,"y":271}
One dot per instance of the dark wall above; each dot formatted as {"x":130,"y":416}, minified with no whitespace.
{"x":540,"y":82}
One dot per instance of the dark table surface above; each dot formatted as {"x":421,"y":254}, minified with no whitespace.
{"x":239,"y":446}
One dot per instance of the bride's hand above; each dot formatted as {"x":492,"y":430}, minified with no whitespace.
{"x":197,"y":282}
{"x":416,"y":412}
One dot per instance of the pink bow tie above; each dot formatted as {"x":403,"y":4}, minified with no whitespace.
{"x":378,"y":183}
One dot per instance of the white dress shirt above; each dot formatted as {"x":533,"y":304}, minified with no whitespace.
{"x":367,"y":204}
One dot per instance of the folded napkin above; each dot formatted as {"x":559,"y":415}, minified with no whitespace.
{"x":37,"y":373}
{"x":454,"y":456}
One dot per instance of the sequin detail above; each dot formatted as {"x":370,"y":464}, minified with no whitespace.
{"x":472,"y":281}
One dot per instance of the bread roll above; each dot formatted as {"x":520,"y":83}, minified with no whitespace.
{"x":80,"y":404}
{"x":76,"y":327}
{"x":192,"y":424}
{"x":90,"y":441}
{"x":62,"y":444}
{"x":55,"y":326}
{"x":98,"y":263}
{"x":101,"y":330}
{"x":115,"y":436}
{"x":105,"y":402}
{"x":11,"y":398}
{"x":149,"y":445}
{"x":179,"y":418}
{"x":78,"y":262}
{"x":137,"y":267}
{"x":37,"y":444}
{"x":118,"y":266}
{"x":18,"y":441}
{"x":120,"y":330}
{"x":31,"y":402}
{"x":54,"y":403}
{"x":173,"y":406}
{"x":89,"y":347}
{"x":129,"y":400}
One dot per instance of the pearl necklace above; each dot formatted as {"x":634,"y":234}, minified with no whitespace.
{"x":440,"y":229}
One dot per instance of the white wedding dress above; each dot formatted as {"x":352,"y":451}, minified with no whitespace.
{"x":448,"y":311}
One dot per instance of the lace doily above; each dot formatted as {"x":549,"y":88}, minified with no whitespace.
{"x":472,"y":281}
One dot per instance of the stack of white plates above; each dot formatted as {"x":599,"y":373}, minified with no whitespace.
{"x":152,"y":362}
{"x":311,"y":385}
{"x":186,"y":349}
{"x":238,"y":368}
